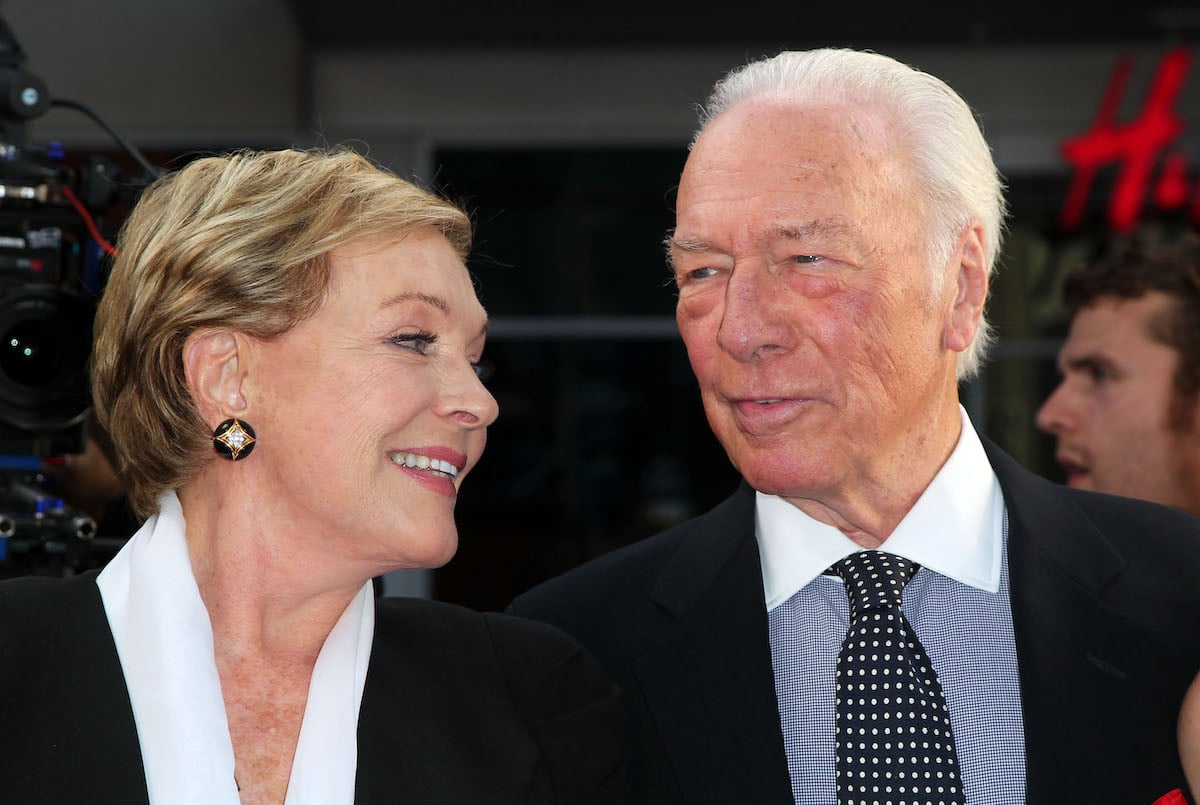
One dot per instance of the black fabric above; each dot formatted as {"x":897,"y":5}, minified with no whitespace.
{"x":462,"y":707}
{"x":66,"y":727}
{"x":1105,"y":596}
{"x":459,"y":707}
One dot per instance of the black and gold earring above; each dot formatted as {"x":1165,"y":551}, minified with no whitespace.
{"x":233,"y":439}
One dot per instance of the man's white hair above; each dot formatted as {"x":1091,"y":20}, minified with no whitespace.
{"x":953,"y":164}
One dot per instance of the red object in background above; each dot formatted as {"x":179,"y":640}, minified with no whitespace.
{"x":1175,"y":797}
{"x":1133,"y":146}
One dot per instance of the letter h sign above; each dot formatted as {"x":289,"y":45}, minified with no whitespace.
{"x":1135,"y":148}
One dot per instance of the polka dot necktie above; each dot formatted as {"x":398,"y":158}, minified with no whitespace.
{"x":894,"y":743}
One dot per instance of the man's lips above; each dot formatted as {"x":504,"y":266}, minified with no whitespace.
{"x":753,"y":404}
{"x":757,"y":402}
{"x":766,"y":414}
{"x":1075,"y":470}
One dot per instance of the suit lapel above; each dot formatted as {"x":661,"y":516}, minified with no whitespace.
{"x":709,"y":682}
{"x":1090,"y":678}
{"x":1088,"y":675}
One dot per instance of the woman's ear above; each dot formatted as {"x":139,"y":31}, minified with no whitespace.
{"x":215,"y":366}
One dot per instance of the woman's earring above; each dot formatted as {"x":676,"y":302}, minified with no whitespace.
{"x":233,"y":439}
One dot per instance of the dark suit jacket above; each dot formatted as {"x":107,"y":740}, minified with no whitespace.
{"x":1105,"y":597}
{"x":458,"y":707}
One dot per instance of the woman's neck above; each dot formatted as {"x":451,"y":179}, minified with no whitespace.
{"x":265,"y":598}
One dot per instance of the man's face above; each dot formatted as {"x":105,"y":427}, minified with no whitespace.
{"x":807,"y":304}
{"x":1111,"y":412}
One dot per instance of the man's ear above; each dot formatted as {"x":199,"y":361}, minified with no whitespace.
{"x":966,"y":311}
{"x":215,"y":366}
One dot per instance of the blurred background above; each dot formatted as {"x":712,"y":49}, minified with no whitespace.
{"x":563,"y":128}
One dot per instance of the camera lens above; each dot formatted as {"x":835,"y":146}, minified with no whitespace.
{"x":45,"y":339}
{"x":30,"y":353}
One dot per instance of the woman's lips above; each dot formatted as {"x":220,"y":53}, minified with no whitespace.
{"x":435,"y":468}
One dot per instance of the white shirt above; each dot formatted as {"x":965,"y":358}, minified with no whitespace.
{"x":957,"y":603}
{"x":164,"y":640}
{"x":954,"y":529}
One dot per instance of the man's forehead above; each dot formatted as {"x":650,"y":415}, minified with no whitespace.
{"x":1111,"y":326}
{"x":798,"y":120}
{"x":1108,"y":312}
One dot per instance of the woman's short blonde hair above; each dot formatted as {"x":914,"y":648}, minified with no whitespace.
{"x":238,"y":242}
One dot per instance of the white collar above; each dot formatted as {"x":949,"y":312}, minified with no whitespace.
{"x":165,"y":644}
{"x":955,"y":529}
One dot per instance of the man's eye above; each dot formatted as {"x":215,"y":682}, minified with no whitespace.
{"x":806,"y":258}
{"x":417,"y":342}
{"x":701,"y":273}
{"x":483,"y":370}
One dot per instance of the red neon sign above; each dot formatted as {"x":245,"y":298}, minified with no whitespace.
{"x":1135,"y":147}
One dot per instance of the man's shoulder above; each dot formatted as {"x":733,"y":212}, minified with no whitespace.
{"x":635,"y":568}
{"x":1147,"y":535}
{"x":1139,"y":559}
{"x":613,"y":591}
{"x":1147,"y":530}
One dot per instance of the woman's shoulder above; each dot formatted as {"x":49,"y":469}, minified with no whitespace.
{"x":34,"y":601}
{"x":518,"y":644}
{"x":529,"y":681}
{"x":45,"y":620}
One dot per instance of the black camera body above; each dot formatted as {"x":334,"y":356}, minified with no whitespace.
{"x":53,"y":262}
{"x":46,"y":314}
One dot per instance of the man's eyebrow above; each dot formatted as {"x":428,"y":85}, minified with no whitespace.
{"x":420,"y":296}
{"x":838,"y":227}
{"x":1092,"y":360}
{"x":688,"y":244}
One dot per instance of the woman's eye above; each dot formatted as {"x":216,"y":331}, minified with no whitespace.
{"x":805,"y":258}
{"x":417,"y":342}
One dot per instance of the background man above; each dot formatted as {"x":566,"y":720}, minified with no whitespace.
{"x":837,"y":221}
{"x":1127,"y":412}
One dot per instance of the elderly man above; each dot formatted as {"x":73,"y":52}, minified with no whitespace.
{"x":1127,"y":412}
{"x":889,"y":609}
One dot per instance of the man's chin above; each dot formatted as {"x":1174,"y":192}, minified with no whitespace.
{"x":792,"y":482}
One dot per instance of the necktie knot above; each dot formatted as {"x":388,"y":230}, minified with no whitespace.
{"x":874,"y":579}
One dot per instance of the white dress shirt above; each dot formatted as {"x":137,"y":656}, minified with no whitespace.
{"x":165,"y":643}
{"x":957,"y":604}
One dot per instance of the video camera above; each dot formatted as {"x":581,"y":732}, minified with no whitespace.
{"x":56,"y":220}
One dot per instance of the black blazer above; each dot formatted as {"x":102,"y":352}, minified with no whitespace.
{"x":1105,"y":596}
{"x":458,"y":707}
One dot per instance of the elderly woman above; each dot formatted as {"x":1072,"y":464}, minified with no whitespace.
{"x":286,"y":357}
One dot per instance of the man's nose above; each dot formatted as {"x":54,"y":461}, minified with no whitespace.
{"x":756,"y":320}
{"x":1056,"y":413}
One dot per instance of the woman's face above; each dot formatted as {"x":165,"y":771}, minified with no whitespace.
{"x":369,"y":414}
